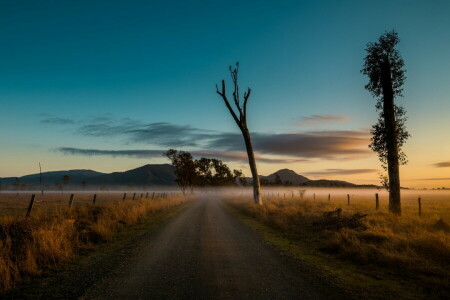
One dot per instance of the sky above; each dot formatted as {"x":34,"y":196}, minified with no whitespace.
{"x":110,"y":85}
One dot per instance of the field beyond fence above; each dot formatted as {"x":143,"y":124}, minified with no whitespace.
{"x":331,"y":225}
{"x":18,"y":203}
{"x":60,"y":225}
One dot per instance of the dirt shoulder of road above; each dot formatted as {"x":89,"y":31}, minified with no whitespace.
{"x":359,"y":282}
{"x":71,"y":280}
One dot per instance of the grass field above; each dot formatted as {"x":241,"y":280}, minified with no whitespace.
{"x":412,"y":247}
{"x":16,"y":204}
{"x":54,"y":234}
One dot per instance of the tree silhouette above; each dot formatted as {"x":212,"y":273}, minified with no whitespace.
{"x":184,"y":168}
{"x":384,"y":67}
{"x":240,"y":117}
{"x":214,"y":172}
{"x":202,"y":172}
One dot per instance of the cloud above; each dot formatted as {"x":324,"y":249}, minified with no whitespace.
{"x":341,"y":172}
{"x":293,"y":147}
{"x":322,"y":119}
{"x":322,"y":144}
{"x":242,"y":157}
{"x":146,"y":154}
{"x":444,"y":164}
{"x":161,"y":133}
{"x":113,"y":153}
{"x":435,"y":178}
{"x":57,"y":121}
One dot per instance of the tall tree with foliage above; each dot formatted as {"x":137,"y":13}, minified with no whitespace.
{"x":184,"y":168}
{"x":239,"y":114}
{"x":202,"y":172}
{"x":385,"y":68}
{"x":214,"y":172}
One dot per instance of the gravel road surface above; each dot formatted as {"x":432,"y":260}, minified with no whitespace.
{"x":206,"y":253}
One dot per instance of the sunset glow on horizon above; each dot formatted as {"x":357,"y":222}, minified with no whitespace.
{"x":106,"y":86}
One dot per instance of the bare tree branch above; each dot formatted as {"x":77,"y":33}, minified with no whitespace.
{"x":234,"y":78}
{"x":242,"y":124}
{"x":246,"y":96}
{"x":227,"y":103}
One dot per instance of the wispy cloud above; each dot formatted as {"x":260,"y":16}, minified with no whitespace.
{"x":341,"y":172}
{"x":57,"y":121}
{"x":161,"y":133}
{"x":444,"y":164}
{"x":321,"y":144}
{"x":448,"y":178}
{"x":327,"y":119}
{"x":147,"y":154}
{"x":292,"y":147}
{"x":113,"y":153}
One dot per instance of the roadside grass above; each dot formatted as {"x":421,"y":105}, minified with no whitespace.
{"x":31,"y":246}
{"x":390,"y":257}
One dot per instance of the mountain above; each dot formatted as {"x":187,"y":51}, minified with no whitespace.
{"x":50,"y":178}
{"x":159,"y":175}
{"x":163,"y":174}
{"x":292,"y":178}
{"x":287,"y":175}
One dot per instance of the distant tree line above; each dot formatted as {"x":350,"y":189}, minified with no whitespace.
{"x":203,"y":172}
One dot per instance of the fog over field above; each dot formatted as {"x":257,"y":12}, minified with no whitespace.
{"x":275,"y":149}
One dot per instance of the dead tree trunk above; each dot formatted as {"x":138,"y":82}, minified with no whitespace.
{"x":252,"y":163}
{"x":241,"y":122}
{"x":391,"y":139}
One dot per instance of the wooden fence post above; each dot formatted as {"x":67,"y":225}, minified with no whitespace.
{"x":153,"y":195}
{"x":420,"y":207}
{"x":348,"y":199}
{"x":124,"y":196}
{"x":71,"y":200}
{"x":146,"y":196}
{"x":329,"y":197}
{"x":94,"y":199}
{"x":314,"y":197}
{"x":142,"y":195}
{"x":377,"y":202}
{"x":30,"y":206}
{"x":134,"y":196}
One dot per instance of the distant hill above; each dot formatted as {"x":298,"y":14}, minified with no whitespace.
{"x":290,"y":177}
{"x":163,"y":174}
{"x":160,"y":175}
{"x":287,"y":175}
{"x":50,"y":178}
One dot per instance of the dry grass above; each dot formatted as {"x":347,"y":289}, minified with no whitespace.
{"x":28,"y":246}
{"x":412,"y":246}
{"x":15,"y":204}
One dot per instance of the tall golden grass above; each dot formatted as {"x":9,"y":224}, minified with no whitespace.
{"x":417,"y":246}
{"x":28,"y":246}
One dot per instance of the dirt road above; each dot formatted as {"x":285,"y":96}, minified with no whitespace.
{"x":206,"y":253}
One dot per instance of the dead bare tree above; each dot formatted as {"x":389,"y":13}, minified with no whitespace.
{"x":241,"y":121}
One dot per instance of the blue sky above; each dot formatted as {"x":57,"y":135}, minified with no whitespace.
{"x":145,"y":62}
